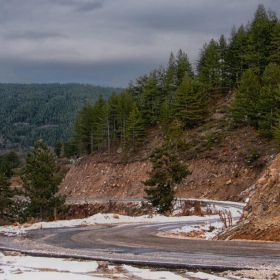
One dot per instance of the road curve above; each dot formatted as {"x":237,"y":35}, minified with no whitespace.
{"x":139,"y":244}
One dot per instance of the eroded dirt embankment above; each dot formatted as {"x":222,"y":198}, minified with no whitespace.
{"x":261,"y":216}
{"x":222,"y":171}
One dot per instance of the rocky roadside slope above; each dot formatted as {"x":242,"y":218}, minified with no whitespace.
{"x":261,"y":216}
{"x":221,"y":172}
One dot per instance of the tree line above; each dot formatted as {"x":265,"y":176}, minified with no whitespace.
{"x":176,"y":96}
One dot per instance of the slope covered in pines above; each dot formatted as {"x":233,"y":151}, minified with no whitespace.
{"x":30,"y":112}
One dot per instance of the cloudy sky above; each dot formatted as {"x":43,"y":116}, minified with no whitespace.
{"x":109,"y":42}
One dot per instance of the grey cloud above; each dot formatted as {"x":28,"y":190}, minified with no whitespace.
{"x":90,"y":6}
{"x":120,"y":72}
{"x":80,"y":6}
{"x":32,"y":35}
{"x":188,"y":17}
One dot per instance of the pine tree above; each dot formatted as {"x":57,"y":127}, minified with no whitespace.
{"x":276,"y":135}
{"x":274,"y":47}
{"x":6,"y":195}
{"x":58,"y":148}
{"x":236,"y":50}
{"x":113,"y":113}
{"x":6,"y":169}
{"x":175,"y":133}
{"x":244,"y":107}
{"x":165,"y":116}
{"x":40,"y":184}
{"x":166,"y":172}
{"x":135,"y":131}
{"x":269,"y":104}
{"x":171,"y":78}
{"x":256,"y":53}
{"x":123,"y":108}
{"x":208,"y":66}
{"x":89,"y":127}
{"x":189,"y":106}
{"x":83,"y":134}
{"x":151,"y":99}
{"x":225,"y":83}
{"x":276,"y":127}
{"x":183,"y":66}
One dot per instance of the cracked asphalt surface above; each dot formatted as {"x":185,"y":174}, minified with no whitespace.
{"x":138,"y":244}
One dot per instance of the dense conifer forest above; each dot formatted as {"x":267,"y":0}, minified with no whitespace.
{"x":30,"y":112}
{"x":175,"y":97}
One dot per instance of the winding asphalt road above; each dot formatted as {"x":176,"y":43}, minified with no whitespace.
{"x":139,"y":244}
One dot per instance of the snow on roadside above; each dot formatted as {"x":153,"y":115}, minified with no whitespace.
{"x":148,"y":274}
{"x":98,"y":219}
{"x":33,"y":268}
{"x":25,"y":267}
{"x":206,"y":230}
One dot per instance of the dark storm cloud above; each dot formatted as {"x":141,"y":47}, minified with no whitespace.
{"x":109,"y":42}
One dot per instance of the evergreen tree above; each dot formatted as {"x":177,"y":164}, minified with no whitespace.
{"x":183,"y":66}
{"x":100,"y":122}
{"x":113,"y":113}
{"x":70,"y":149}
{"x":165,"y":174}
{"x":269,"y":104}
{"x":225,"y":83}
{"x":83,"y":134}
{"x":58,"y":148}
{"x":135,"y":131}
{"x":274,"y":47}
{"x":276,"y":134}
{"x":236,"y":50}
{"x":11,"y":158}
{"x":276,"y":127}
{"x":166,"y":116}
{"x":40,"y":184}
{"x":245,"y":105}
{"x":124,"y":108}
{"x":151,"y":99}
{"x":6,"y":195}
{"x":171,"y":78}
{"x":189,"y":106}
{"x":208,"y":66}
{"x":6,"y":169}
{"x":256,"y":53}
{"x":89,"y":127}
{"x":175,"y":133}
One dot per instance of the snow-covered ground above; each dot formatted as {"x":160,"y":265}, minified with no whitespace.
{"x":26,"y":267}
{"x":31,"y":268}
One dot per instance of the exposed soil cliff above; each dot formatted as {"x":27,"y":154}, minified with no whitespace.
{"x":261,"y":216}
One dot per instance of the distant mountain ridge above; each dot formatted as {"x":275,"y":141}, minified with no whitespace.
{"x":42,"y":111}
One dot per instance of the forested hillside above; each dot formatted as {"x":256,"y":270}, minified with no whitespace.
{"x":176,"y":97}
{"x":30,"y":112}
